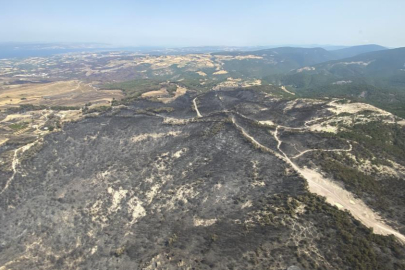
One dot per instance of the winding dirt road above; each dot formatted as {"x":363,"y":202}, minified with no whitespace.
{"x":321,"y":185}
{"x":324,"y":150}
{"x":15,"y":163}
{"x":343,"y":199}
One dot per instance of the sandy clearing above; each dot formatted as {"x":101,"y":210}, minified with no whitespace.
{"x":12,"y":117}
{"x":220,"y":72}
{"x":201,"y":73}
{"x":337,"y":195}
{"x":401,"y":122}
{"x":156,"y":93}
{"x":354,"y":108}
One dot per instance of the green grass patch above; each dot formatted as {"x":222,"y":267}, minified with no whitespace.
{"x":18,"y":126}
{"x":135,"y":88}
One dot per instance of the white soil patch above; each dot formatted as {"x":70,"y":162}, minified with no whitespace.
{"x":323,"y":128}
{"x":354,"y":108}
{"x":136,"y":209}
{"x":220,"y":72}
{"x":175,"y":121}
{"x":117,"y":196}
{"x":247,"y":204}
{"x":267,"y":122}
{"x":361,"y":63}
{"x":305,"y":69}
{"x":204,"y":222}
{"x":180,"y":153}
{"x":201,"y":73}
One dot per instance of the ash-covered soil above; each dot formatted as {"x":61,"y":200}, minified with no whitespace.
{"x":143,"y":188}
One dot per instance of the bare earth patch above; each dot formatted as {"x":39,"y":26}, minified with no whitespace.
{"x":354,"y":108}
{"x":204,"y":222}
{"x":179,"y":92}
{"x":157,"y":93}
{"x":63,"y":93}
{"x":220,"y":72}
{"x":201,"y":73}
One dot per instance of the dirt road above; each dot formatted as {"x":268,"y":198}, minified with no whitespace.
{"x":196,"y":108}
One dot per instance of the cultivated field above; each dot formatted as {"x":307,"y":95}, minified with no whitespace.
{"x":63,"y":93}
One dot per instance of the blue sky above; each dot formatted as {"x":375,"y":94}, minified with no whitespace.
{"x":205,"y":22}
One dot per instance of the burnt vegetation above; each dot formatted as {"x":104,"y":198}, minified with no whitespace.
{"x":131,"y":189}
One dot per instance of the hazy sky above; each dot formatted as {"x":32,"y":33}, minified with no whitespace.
{"x":205,"y":22}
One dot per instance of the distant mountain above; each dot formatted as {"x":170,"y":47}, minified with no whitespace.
{"x":273,"y":61}
{"x":191,"y":50}
{"x":320,"y":52}
{"x":285,"y":59}
{"x":300,"y":56}
{"x":386,"y":66}
{"x":333,"y":47}
{"x":356,"y":50}
{"x":376,"y":77}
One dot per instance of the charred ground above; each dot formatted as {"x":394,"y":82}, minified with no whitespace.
{"x":143,"y":186}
